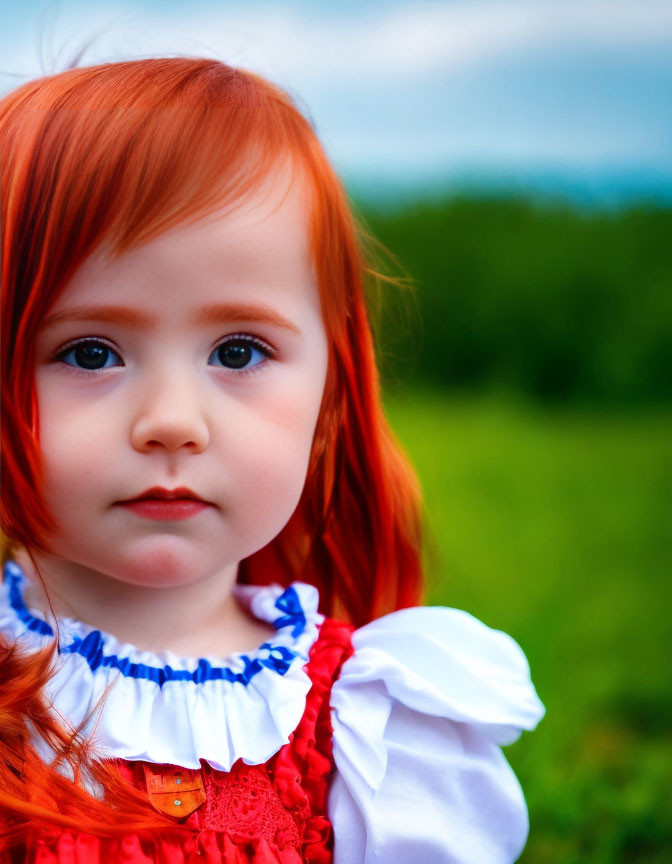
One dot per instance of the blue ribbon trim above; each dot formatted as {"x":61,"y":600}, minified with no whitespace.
{"x":289,"y":603}
{"x":14,"y":576}
{"x":92,"y":646}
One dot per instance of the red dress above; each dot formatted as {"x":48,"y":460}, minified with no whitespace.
{"x":275,"y":813}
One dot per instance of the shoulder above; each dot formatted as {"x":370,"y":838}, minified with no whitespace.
{"x":419,"y":714}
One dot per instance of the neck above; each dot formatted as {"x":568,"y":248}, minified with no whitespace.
{"x":192,"y":619}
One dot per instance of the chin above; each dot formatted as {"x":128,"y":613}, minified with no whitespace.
{"x":162,"y":565}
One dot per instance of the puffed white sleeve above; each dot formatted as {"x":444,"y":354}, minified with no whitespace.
{"x":419,"y":713}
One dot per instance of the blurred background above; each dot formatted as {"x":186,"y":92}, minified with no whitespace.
{"x":515,"y":158}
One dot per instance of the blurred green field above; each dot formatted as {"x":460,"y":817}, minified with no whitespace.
{"x":559,"y":304}
{"x":553,"y":524}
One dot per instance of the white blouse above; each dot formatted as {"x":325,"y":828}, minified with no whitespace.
{"x":419,"y":713}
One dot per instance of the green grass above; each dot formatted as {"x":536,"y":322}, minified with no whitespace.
{"x":554,"y":525}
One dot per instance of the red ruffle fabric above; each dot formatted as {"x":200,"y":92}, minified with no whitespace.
{"x":255,"y":814}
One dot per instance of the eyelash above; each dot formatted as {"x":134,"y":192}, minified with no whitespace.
{"x":63,"y":352}
{"x":263,"y":347}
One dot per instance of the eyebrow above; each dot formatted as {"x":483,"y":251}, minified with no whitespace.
{"x":213,"y":314}
{"x":221,"y":312}
{"x":106,"y":314}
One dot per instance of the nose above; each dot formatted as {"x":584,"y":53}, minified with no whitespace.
{"x":170,"y":418}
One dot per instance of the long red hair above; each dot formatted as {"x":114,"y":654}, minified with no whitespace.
{"x":117,"y":154}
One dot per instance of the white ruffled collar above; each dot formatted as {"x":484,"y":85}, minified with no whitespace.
{"x":166,"y":709}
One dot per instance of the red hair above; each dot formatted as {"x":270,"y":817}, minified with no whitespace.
{"x":117,"y":154}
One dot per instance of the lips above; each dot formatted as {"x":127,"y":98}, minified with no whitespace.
{"x":158,"y":492}
{"x":166,"y":504}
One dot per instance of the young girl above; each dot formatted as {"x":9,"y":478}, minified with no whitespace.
{"x":197,"y":471}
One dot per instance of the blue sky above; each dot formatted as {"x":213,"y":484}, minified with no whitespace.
{"x":569,"y":96}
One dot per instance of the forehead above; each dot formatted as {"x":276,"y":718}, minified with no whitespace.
{"x":254,"y":250}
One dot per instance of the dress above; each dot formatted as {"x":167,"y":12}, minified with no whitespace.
{"x":389,"y":735}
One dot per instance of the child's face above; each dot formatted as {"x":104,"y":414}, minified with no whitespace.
{"x":196,"y":362}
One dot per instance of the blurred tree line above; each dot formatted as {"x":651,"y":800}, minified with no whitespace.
{"x":553,"y":302}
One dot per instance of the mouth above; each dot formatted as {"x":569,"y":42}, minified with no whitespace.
{"x":166,"y":504}
{"x":161,"y":494}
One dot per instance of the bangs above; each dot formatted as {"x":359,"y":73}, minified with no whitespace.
{"x":121,"y":153}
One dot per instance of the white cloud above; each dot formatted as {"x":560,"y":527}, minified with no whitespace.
{"x":408,"y":84}
{"x":466,"y":33}
{"x":291,"y":45}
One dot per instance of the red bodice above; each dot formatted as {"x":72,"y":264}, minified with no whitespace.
{"x":274,"y":813}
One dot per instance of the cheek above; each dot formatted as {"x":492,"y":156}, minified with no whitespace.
{"x":273,"y":457}
{"x":75,"y":443}
{"x":268,"y":496}
{"x":277,"y":453}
